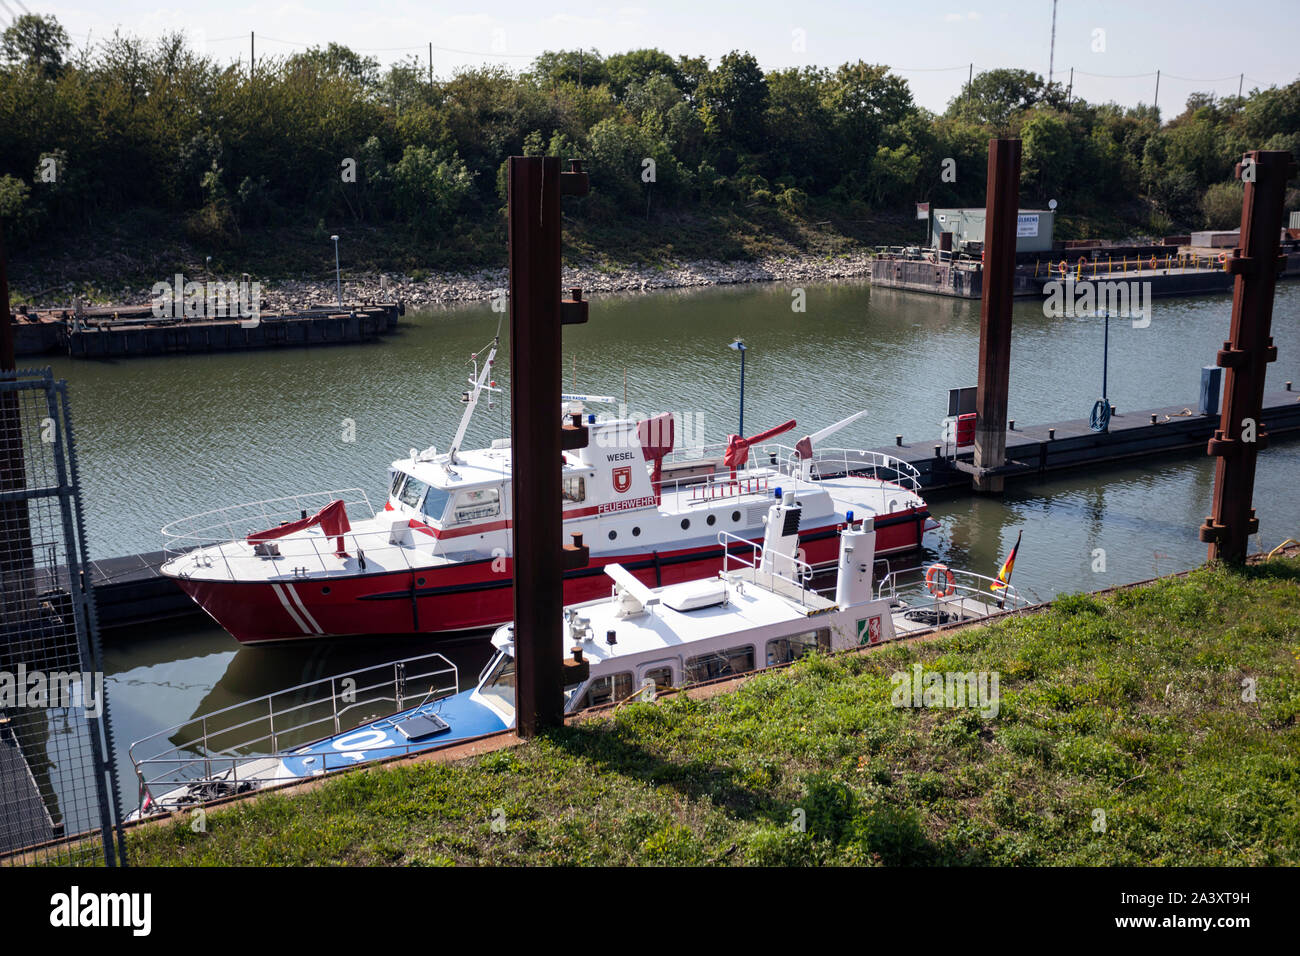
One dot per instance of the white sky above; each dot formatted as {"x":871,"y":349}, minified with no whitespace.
{"x":1197,"y":44}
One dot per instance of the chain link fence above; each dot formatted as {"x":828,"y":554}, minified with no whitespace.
{"x":58,"y":787}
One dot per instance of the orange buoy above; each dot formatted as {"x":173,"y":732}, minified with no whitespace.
{"x":949,"y":586}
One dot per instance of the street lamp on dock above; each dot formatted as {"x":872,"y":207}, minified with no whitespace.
{"x":739,"y":346}
{"x":338,"y":281}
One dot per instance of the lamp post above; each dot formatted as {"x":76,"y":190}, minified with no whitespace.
{"x":739,"y":346}
{"x":338,"y":281}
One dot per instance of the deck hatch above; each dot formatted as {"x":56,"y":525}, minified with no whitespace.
{"x":421,"y":726}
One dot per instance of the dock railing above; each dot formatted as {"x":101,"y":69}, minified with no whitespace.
{"x":225,"y":751}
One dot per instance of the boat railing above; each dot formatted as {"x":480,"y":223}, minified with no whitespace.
{"x":858,"y":462}
{"x":236,"y":522}
{"x":718,"y":485}
{"x":189,"y":542}
{"x":784,"y":460}
{"x":796,"y":571}
{"x":956,"y":593}
{"x":222,"y":747}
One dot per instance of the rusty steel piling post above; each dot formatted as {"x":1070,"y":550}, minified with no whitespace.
{"x":1003,"y":207}
{"x":535,"y":185}
{"x":1240,"y":435}
{"x":17,"y":587}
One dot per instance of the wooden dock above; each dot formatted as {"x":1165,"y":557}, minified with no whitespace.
{"x":24,"y":816}
{"x":115,"y":332}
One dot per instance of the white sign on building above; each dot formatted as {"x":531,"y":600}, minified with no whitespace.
{"x":1027,"y":225}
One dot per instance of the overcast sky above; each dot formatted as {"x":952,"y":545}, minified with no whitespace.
{"x":1112,"y":46}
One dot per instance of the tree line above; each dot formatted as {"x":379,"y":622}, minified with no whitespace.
{"x":327,"y":135}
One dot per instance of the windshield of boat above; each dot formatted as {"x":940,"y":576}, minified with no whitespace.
{"x":410,"y":490}
{"x":499,"y":685}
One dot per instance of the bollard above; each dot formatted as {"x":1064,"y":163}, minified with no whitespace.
{"x":1051,"y":434}
{"x":1011,"y":425}
{"x":1153,"y":419}
{"x":937,"y":449}
{"x":898,"y":440}
{"x":1211,"y":378}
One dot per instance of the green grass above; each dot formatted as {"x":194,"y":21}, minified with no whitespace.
{"x":1129,"y":704}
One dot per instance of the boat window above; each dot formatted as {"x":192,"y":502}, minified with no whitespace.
{"x":435,"y":503}
{"x":783,"y":650}
{"x":574,"y":489}
{"x":734,"y":660}
{"x":411,"y":492}
{"x":475,"y":503}
{"x":396,"y":485}
{"x":499,"y":685}
{"x":607,"y":689}
{"x":662,"y":677}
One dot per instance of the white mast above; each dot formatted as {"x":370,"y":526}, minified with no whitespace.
{"x":478,"y":382}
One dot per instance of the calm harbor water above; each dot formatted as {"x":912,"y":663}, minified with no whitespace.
{"x":162,"y":438}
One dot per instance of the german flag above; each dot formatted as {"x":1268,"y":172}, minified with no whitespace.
{"x":1004,"y":576}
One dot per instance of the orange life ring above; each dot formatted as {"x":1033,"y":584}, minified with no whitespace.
{"x":1153,"y":263}
{"x":1064,"y":267}
{"x":1223,"y":259}
{"x":932,"y":580}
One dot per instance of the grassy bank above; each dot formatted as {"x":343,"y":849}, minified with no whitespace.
{"x":1130,"y":704}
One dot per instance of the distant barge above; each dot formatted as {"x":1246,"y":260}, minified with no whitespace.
{"x":116,"y":332}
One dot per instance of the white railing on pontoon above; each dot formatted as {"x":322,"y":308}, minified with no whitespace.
{"x":219,"y":753}
{"x":972,"y":594}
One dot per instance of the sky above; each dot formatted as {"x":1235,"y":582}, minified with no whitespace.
{"x":1115,"y":48}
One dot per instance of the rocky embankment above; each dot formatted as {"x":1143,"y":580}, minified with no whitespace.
{"x":288,"y":295}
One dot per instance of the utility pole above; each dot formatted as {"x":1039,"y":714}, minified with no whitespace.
{"x":252,"y":53}
{"x":1051,"y":56}
{"x":1156,"y":102}
{"x":970,"y":79}
{"x":534,"y":187}
{"x":1240,"y":435}
{"x":1240,"y":80}
{"x":1003,"y":207}
{"x":1069,"y":90}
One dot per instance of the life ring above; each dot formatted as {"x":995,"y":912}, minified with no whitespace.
{"x":1064,"y":267}
{"x":932,"y":581}
{"x":1153,"y":263}
{"x":1223,"y":259}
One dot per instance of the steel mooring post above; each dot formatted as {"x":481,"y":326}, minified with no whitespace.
{"x":1240,"y":435}
{"x":17,"y":584}
{"x":1003,"y":207}
{"x":537,"y":313}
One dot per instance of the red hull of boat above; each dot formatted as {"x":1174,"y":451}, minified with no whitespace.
{"x":471,"y":595}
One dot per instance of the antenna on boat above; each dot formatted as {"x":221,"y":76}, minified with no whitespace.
{"x":479,"y":382}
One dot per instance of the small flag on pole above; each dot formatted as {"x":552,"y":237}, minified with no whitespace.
{"x":1004,"y":576}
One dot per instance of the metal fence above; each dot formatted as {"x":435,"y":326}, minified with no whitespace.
{"x":58,"y":787}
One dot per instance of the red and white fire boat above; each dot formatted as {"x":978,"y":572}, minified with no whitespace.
{"x":437,"y":556}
